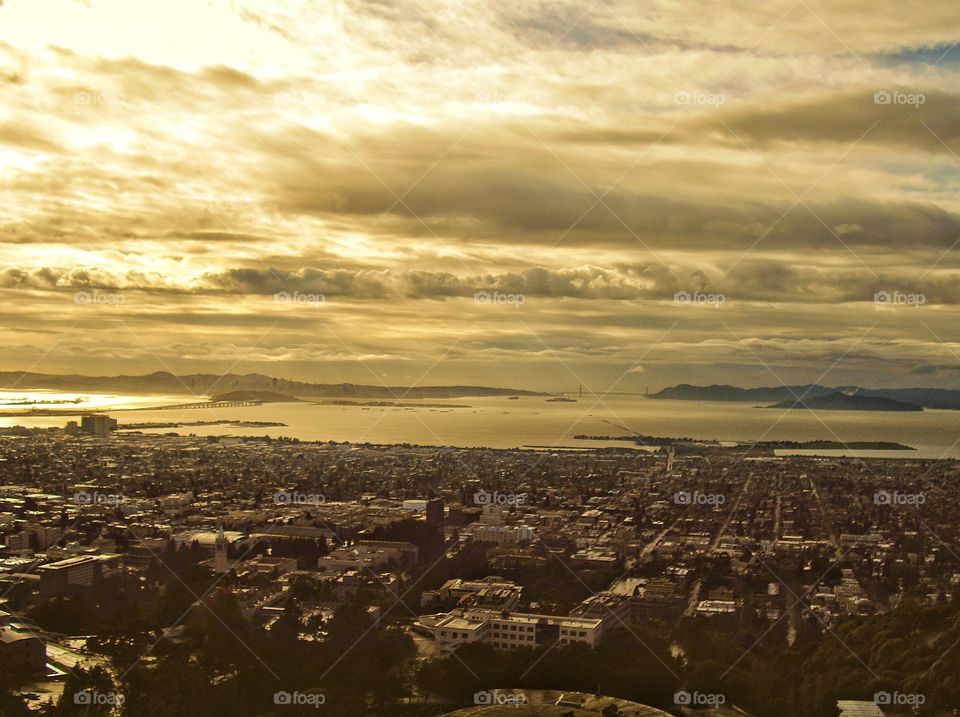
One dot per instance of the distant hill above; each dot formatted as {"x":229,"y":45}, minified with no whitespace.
{"x":925,"y":397}
{"x":839,"y":401}
{"x":261,"y":396}
{"x":206,"y":384}
{"x":686,"y":392}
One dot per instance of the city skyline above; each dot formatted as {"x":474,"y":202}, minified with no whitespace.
{"x":395,"y":358}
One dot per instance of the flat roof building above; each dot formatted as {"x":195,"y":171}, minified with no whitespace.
{"x":80,"y":572}
{"x":97,"y":424}
{"x":22,"y":647}
{"x":509,"y":630}
{"x":858,"y":708}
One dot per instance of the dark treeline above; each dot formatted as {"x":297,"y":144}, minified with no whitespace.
{"x":364,"y":660}
{"x":911,"y":650}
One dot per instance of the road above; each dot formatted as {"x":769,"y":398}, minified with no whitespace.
{"x":694,"y":599}
{"x":652,"y":545}
{"x":726,"y":524}
{"x":827,"y":518}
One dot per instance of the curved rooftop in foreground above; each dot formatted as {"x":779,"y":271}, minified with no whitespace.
{"x":544,"y":703}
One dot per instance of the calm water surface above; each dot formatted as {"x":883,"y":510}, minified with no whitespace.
{"x":503,"y":423}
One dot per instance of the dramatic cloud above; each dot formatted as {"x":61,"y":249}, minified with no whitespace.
{"x":335,"y":188}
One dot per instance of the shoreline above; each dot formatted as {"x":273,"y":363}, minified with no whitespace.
{"x":903,"y":454}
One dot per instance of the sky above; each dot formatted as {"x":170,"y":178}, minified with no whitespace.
{"x":527,"y":194}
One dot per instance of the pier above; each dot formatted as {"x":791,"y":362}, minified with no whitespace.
{"x":201,"y":404}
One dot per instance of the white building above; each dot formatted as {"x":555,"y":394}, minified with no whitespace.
{"x":509,"y":630}
{"x":856,"y":708}
{"x":492,"y":593}
{"x":372,"y":555}
{"x":708,"y":608}
{"x":500,"y":534}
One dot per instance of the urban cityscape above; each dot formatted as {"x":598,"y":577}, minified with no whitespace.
{"x":248,"y":574}
{"x":479,"y":358}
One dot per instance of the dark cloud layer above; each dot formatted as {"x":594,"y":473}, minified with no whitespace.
{"x":192,"y":160}
{"x":919,"y":118}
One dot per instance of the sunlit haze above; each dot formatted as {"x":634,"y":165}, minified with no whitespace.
{"x":533,"y":195}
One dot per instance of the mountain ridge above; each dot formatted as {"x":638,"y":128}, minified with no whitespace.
{"x":944,"y":398}
{"x":840,"y":401}
{"x":204,"y":384}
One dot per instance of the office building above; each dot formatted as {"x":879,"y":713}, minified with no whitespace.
{"x":509,"y":630}
{"x":435,"y":511}
{"x":63,"y":576}
{"x":97,"y":424}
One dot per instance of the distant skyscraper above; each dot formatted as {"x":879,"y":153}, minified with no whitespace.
{"x":97,"y":424}
{"x":220,"y":561}
{"x":435,"y":511}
